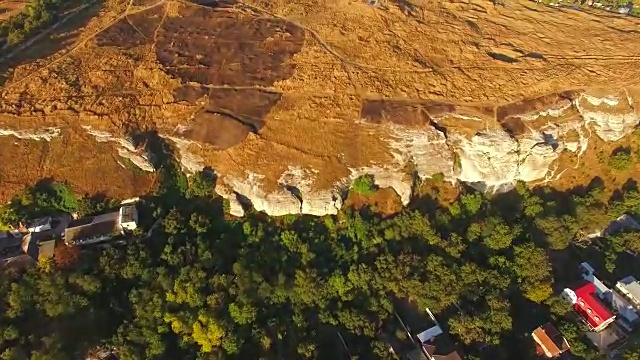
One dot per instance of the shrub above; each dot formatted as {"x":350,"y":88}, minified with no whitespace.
{"x":437,"y":178}
{"x":364,"y":185}
{"x":201,"y":184}
{"x":55,"y":196}
{"x":620,"y":160}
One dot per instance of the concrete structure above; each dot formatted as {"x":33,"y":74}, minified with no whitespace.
{"x":623,"y":307}
{"x":549,"y":342}
{"x":100,"y":228}
{"x":605,"y":338}
{"x":39,"y":225}
{"x":616,"y":301}
{"x":10,"y":247}
{"x":629,"y":287}
{"x":128,"y":217}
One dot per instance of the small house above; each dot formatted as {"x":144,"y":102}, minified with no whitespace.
{"x":549,"y":342}
{"x":91,"y":230}
{"x":627,"y":314}
{"x":431,"y":343}
{"x":629,"y":287}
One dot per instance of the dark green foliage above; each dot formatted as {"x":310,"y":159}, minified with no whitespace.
{"x":54,"y":196}
{"x":204,"y":287}
{"x":559,"y":231}
{"x":45,"y":198}
{"x":364,"y":185}
{"x":499,"y":235}
{"x":532,"y":266}
{"x":201,"y":184}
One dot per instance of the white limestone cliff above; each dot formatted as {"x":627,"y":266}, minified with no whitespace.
{"x":45,"y":134}
{"x":612,"y":118}
{"x":491,"y":160}
{"x":426,"y":148}
{"x":314,"y":201}
{"x":275,"y":203}
{"x":189,"y":161}
{"x":126,"y":149}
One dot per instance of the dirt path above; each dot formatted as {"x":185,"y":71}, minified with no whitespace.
{"x":45,"y":32}
{"x":81,"y":43}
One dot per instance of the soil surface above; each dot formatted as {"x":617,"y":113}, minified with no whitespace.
{"x":258,"y":86}
{"x":89,"y":167}
{"x":226,"y":49}
{"x":384,"y":202}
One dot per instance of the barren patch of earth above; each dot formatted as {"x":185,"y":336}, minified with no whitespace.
{"x":228,"y":115}
{"x":385,"y":202}
{"x":225,"y":48}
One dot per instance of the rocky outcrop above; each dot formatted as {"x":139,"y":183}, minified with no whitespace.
{"x":612,"y":116}
{"x":46,"y":134}
{"x":299,"y":182}
{"x":426,"y":148}
{"x":191,"y":163}
{"x":275,"y":203}
{"x":126,"y":148}
{"x":489,"y":148}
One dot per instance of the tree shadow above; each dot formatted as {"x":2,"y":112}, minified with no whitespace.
{"x":507,"y":204}
{"x":618,"y":194}
{"x":172,"y":185}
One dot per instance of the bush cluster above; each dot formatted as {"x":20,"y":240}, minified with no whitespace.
{"x":37,"y":15}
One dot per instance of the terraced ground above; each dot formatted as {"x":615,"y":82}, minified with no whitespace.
{"x":260,"y":90}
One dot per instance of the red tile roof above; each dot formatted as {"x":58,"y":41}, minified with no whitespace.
{"x":589,"y":306}
{"x":549,"y":342}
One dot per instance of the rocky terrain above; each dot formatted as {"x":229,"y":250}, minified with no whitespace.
{"x":289,"y":101}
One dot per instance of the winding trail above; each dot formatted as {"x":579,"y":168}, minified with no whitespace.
{"x":82,"y":42}
{"x":45,"y":32}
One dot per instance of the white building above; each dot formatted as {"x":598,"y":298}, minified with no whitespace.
{"x":91,"y":230}
{"x":629,"y":287}
{"x":128,"y":217}
{"x":616,"y":301}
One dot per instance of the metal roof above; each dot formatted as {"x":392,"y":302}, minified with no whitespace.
{"x":101,"y":225}
{"x":632,"y":286}
{"x":623,"y":307}
{"x":591,"y":307}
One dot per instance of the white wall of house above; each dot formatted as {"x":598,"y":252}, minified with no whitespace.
{"x":128,"y":222}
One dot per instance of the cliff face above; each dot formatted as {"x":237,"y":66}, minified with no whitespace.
{"x":519,"y":141}
{"x":289,"y":102}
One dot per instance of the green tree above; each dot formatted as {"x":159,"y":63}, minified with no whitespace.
{"x":201,"y":184}
{"x":498,"y":235}
{"x":559,"y":231}
{"x":364,"y":185}
{"x":535,"y":281}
